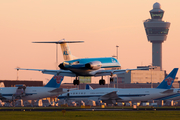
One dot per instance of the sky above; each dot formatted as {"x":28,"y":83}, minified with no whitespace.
{"x":101,"y":24}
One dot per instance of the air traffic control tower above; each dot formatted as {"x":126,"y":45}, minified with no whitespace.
{"x":156,"y":31}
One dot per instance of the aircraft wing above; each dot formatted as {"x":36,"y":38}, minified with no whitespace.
{"x":120,"y":71}
{"x":1,"y":97}
{"x":52,"y":72}
{"x":143,"y":68}
{"x":59,"y":90}
{"x":110,"y":96}
{"x":96,"y":73}
{"x":108,"y":72}
{"x":168,"y":91}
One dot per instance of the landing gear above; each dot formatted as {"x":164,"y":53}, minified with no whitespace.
{"x":76,"y":81}
{"x":111,"y":79}
{"x":102,"y":81}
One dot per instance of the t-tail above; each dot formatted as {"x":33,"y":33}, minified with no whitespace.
{"x":64,"y":47}
{"x":66,"y":52}
{"x":55,"y":81}
{"x":168,"y":81}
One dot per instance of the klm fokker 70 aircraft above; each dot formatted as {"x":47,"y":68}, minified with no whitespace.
{"x":74,"y":67}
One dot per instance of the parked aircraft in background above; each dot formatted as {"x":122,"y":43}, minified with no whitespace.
{"x":113,"y":95}
{"x":9,"y":94}
{"x":175,"y":96}
{"x":84,"y":66}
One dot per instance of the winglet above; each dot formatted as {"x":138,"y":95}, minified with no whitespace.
{"x":168,"y":81}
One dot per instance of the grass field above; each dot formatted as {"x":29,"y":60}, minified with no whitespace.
{"x":91,"y":115}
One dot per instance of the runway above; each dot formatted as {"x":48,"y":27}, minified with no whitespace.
{"x":84,"y":109}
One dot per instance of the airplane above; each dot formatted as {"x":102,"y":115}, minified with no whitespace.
{"x":10,"y":94}
{"x":114,"y":95}
{"x":175,"y":96}
{"x":74,"y":67}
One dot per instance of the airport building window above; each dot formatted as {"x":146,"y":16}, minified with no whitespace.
{"x":150,"y":31}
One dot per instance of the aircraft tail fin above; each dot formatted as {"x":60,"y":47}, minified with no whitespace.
{"x":168,"y":81}
{"x":55,"y":81}
{"x":64,"y":47}
{"x":66,"y":52}
{"x":88,"y":87}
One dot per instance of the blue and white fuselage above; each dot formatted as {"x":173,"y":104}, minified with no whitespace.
{"x":89,"y":66}
{"x":113,"y":95}
{"x":118,"y":95}
{"x":73,"y":67}
{"x":33,"y":93}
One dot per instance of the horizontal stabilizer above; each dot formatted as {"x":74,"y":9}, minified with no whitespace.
{"x":59,"y":42}
{"x":52,"y":72}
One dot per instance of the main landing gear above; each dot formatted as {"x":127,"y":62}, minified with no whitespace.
{"x":76,"y":81}
{"x":102,"y":81}
{"x":111,"y":79}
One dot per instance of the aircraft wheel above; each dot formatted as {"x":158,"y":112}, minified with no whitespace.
{"x":76,"y":82}
{"x":111,"y":80}
{"x":103,"y":82}
{"x":100,"y":82}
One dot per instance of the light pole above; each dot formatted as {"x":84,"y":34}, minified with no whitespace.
{"x":17,"y":74}
{"x":56,"y":56}
{"x":117,"y":59}
{"x":117,"y":51}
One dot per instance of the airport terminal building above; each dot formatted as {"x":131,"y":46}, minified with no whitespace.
{"x":142,"y":76}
